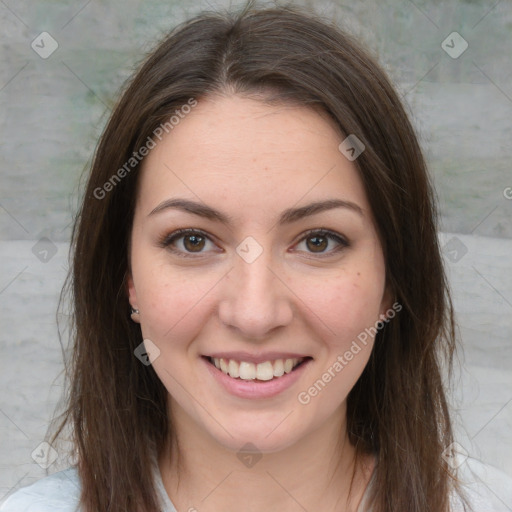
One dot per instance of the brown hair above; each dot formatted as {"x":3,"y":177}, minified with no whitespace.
{"x":116,"y":407}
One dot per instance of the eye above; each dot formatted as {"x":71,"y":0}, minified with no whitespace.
{"x":318,"y":241}
{"x":186,"y":242}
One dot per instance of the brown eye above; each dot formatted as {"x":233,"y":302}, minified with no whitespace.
{"x":194,"y":243}
{"x":322,"y":242}
{"x":317,"y":243}
{"x":188,"y":242}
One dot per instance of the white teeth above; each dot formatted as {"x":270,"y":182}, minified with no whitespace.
{"x":279,"y":368}
{"x":233,"y":369}
{"x":247,"y":371}
{"x":264,"y":371}
{"x":261,"y":371}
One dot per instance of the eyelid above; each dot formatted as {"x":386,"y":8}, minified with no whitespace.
{"x":166,"y":239}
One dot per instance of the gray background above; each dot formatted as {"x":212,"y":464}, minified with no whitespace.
{"x":54,"y":109}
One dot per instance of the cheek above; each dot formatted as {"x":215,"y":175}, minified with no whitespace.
{"x":349,"y":306}
{"x":172,"y":302}
{"x":344,"y":304}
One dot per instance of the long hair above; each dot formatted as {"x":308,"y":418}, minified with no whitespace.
{"x":397,"y":410}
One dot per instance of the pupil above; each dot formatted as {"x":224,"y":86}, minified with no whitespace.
{"x":194,"y":242}
{"x":319,"y":244}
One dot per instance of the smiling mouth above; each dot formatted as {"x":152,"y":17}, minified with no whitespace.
{"x":259,"y":372}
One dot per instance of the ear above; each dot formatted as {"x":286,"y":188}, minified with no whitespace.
{"x":387,"y":300}
{"x":130,"y":289}
{"x":132,"y":296}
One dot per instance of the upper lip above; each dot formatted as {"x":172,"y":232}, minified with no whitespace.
{"x":256,"y":358}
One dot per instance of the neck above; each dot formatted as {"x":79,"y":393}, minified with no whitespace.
{"x":319,"y":472}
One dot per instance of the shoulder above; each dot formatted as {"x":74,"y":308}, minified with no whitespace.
{"x":485,"y":487}
{"x":59,"y":492}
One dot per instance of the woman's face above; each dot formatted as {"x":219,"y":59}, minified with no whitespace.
{"x":282,"y":267}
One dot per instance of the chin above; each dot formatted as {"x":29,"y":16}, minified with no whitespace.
{"x":266,"y":435}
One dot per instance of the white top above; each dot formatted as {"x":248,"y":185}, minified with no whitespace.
{"x":60,"y":492}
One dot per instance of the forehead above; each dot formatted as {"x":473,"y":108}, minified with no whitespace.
{"x":243,"y":152}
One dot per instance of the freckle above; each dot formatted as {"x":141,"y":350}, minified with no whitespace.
{"x":359,"y":273}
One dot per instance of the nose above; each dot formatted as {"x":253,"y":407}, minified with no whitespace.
{"x":255,"y":301}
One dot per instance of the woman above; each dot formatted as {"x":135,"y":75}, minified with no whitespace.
{"x":260,"y":305}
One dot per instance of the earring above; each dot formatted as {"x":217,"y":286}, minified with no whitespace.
{"x":133,"y":314}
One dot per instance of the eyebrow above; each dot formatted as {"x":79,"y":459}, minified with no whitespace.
{"x":287,"y":216}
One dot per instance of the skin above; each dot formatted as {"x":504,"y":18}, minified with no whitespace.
{"x":251,"y":161}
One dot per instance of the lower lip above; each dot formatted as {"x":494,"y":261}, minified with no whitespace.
{"x":256,"y":389}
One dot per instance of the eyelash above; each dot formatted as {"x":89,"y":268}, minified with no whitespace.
{"x":167,"y":241}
